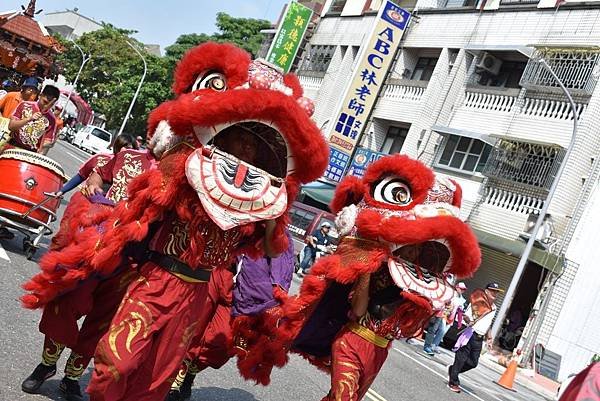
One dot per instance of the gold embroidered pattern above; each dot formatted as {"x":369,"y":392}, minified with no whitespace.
{"x":177,"y":241}
{"x":178,"y":382}
{"x":74,"y":368}
{"x":135,"y":322}
{"x":132,"y":167}
{"x":349,"y":384}
{"x":51,"y":354}
{"x":31,"y":133}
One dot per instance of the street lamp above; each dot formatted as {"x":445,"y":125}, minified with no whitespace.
{"x":136,"y":91}
{"x":510,"y":292}
{"x":84,"y":59}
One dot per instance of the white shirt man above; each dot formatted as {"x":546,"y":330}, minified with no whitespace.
{"x":467,"y":356}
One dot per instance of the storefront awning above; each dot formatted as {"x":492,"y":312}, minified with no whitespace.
{"x":320,"y":191}
{"x":516,"y":247}
{"x":461,"y":132}
{"x":527,"y":51}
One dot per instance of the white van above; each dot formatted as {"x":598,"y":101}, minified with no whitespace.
{"x":93,"y":139}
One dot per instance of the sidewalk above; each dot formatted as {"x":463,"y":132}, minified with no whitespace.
{"x":525,"y":377}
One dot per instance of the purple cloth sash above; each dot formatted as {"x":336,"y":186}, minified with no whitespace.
{"x":101,"y":199}
{"x":463,"y":339}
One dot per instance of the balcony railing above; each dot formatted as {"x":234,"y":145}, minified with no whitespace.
{"x":517,"y":2}
{"x":403,"y":92}
{"x":512,"y":200}
{"x":486,"y":101}
{"x":544,"y":108}
{"x":525,"y":164}
{"x":574,"y":66}
{"x":310,"y":83}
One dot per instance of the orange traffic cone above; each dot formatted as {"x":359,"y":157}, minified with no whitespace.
{"x":508,"y":377}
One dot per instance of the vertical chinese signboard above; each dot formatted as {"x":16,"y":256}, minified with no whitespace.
{"x":289,"y":35}
{"x":366,"y":82}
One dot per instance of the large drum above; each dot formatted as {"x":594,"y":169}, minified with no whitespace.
{"x":24,"y":177}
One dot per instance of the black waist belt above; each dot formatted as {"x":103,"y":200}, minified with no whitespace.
{"x":478,"y":336}
{"x":179,"y":269}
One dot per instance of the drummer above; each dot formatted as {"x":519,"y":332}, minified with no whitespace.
{"x":123,"y":141}
{"x":41,"y":123}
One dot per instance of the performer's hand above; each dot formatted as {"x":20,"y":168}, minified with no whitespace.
{"x":35,"y":116}
{"x":90,"y":190}
{"x":56,"y":194}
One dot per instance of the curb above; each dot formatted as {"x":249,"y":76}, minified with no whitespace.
{"x":525,"y":381}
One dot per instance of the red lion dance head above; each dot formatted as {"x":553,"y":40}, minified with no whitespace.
{"x":234,"y":146}
{"x":400,"y":224}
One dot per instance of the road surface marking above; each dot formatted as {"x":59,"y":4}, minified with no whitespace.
{"x":3,"y":254}
{"x":75,"y":156}
{"x":372,"y":395}
{"x":443,"y":376}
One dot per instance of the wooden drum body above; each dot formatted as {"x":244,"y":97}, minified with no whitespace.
{"x":24,"y":177}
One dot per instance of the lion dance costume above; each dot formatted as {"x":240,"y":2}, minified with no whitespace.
{"x":234,"y":146}
{"x":400,"y":236}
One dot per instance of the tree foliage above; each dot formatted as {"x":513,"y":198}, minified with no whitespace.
{"x":109,"y":79}
{"x":243,"y":32}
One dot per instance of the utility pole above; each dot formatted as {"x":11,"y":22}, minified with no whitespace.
{"x":510,"y":292}
{"x":137,"y":90}
{"x":84,"y":59}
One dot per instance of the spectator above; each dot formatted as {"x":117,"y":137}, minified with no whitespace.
{"x":443,"y":320}
{"x":29,"y":93}
{"x":319,"y":238}
{"x":479,"y":316}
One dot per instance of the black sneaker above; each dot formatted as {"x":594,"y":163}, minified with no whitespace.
{"x":70,"y":389}
{"x":186,"y":387}
{"x":174,"y":395}
{"x":39,"y":375}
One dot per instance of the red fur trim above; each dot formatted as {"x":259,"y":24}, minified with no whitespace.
{"x":160,"y":113}
{"x":210,"y":56}
{"x":291,"y":81}
{"x":349,"y":191}
{"x":457,"y":200}
{"x":210,"y":108}
{"x":416,"y":174}
{"x":265,"y":350}
{"x":466,"y":256}
{"x":411,"y":316}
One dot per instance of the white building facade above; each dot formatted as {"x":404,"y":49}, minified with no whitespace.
{"x":467,"y":97}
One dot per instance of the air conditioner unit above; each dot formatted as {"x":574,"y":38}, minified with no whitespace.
{"x":489,"y":63}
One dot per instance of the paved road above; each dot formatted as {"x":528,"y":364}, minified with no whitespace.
{"x":407,"y":374}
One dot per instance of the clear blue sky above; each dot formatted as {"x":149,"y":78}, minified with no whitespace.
{"x":160,"y":21}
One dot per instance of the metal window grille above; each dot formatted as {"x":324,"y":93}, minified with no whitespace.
{"x":317,"y":58}
{"x":524,"y":163}
{"x":576,"y":67}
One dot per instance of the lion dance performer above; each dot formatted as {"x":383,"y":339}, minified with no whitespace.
{"x":202,"y":207}
{"x":257,"y":289}
{"x":97,"y":297}
{"x":400,"y":235}
{"x":79,"y":204}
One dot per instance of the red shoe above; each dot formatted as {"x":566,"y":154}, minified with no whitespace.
{"x":454,"y":387}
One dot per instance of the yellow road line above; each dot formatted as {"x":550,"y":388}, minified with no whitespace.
{"x":372,"y":395}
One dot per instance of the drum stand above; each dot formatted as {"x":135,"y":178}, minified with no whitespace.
{"x":27,"y":225}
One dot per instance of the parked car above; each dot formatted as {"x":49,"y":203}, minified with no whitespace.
{"x":305,"y":220}
{"x":93,"y":139}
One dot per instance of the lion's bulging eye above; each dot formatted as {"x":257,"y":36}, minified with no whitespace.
{"x":392,"y":190}
{"x":213,"y":80}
